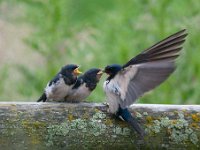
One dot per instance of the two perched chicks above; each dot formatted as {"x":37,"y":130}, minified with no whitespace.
{"x":67,"y":87}
{"x":125,"y":83}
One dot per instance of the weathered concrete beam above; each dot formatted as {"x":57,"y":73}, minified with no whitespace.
{"x":88,"y":126}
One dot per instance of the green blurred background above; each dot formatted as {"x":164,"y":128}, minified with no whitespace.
{"x":37,"y":37}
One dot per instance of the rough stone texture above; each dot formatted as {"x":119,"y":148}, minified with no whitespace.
{"x":89,"y":126}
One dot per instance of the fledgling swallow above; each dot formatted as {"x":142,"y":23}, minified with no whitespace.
{"x":59,"y":87}
{"x":141,"y":74}
{"x":84,"y":85}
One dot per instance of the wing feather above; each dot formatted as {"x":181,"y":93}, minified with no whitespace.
{"x":149,"y":69}
{"x":165,"y":49}
{"x":147,"y":77}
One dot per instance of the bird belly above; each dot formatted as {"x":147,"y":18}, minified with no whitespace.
{"x":57,"y":91}
{"x":112,"y":99}
{"x":79,"y":94}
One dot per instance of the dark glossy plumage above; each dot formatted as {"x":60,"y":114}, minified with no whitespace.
{"x":66,"y":73}
{"x":167,"y":49}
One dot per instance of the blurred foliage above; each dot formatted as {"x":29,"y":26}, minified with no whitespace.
{"x":97,"y":33}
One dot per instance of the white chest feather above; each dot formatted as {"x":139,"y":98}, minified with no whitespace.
{"x":111,"y":94}
{"x":57,"y":91}
{"x":79,"y":94}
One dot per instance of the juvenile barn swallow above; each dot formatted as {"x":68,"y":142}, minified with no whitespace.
{"x":85,"y":84}
{"x":59,"y":87}
{"x":125,"y":83}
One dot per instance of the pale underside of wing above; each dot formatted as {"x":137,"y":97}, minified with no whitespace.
{"x":149,"y":69}
{"x":145,"y":77}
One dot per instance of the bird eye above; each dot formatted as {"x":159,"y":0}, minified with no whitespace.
{"x":110,"y":69}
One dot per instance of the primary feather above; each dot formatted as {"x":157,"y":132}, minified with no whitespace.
{"x":167,"y":49}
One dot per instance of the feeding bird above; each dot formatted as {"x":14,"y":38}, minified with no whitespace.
{"x":84,"y":85}
{"x":59,"y":87}
{"x":125,"y":83}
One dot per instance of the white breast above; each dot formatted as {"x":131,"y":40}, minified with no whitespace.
{"x":112,"y":99}
{"x":79,"y":94}
{"x":57,"y":91}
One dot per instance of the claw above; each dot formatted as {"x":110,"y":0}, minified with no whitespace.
{"x":106,"y":104}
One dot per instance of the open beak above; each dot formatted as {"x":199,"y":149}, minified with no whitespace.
{"x":100,"y":72}
{"x":104,"y":71}
{"x":77,"y":72}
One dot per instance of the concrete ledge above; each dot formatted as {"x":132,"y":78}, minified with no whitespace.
{"x":89,"y":126}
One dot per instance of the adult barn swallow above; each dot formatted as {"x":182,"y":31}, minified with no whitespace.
{"x":141,"y":74}
{"x":59,"y":87}
{"x":85,"y":84}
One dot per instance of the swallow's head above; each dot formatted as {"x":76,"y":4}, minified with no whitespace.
{"x":93,"y":74}
{"x":70,"y":69}
{"x":112,"y":69}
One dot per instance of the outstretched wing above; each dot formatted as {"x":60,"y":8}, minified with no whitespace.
{"x":149,"y":69}
{"x":164,"y":50}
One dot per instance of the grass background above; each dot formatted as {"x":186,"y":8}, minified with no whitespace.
{"x":94,"y":34}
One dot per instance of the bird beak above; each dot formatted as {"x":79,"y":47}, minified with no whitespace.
{"x":100,"y":72}
{"x":77,"y":72}
{"x":104,"y":71}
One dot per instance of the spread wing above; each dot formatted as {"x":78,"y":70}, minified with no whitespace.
{"x":167,"y":49}
{"x":149,"y":69}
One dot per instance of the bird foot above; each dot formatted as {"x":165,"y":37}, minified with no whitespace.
{"x":106,"y":108}
{"x":106,"y":104}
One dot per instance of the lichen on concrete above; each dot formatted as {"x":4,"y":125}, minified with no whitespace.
{"x":66,"y":127}
{"x":95,"y":126}
{"x":145,"y":113}
{"x":179,"y":131}
{"x":138,"y":115}
{"x":196,"y":117}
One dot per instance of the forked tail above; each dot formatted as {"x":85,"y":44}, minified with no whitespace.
{"x":126,"y":115}
{"x":43,"y":98}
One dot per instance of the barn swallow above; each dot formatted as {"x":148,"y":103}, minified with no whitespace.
{"x":85,"y":84}
{"x":59,"y":87}
{"x":125,"y":83}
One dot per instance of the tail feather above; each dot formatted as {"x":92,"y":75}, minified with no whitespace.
{"x":126,"y":115}
{"x":43,"y":98}
{"x":136,"y":126}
